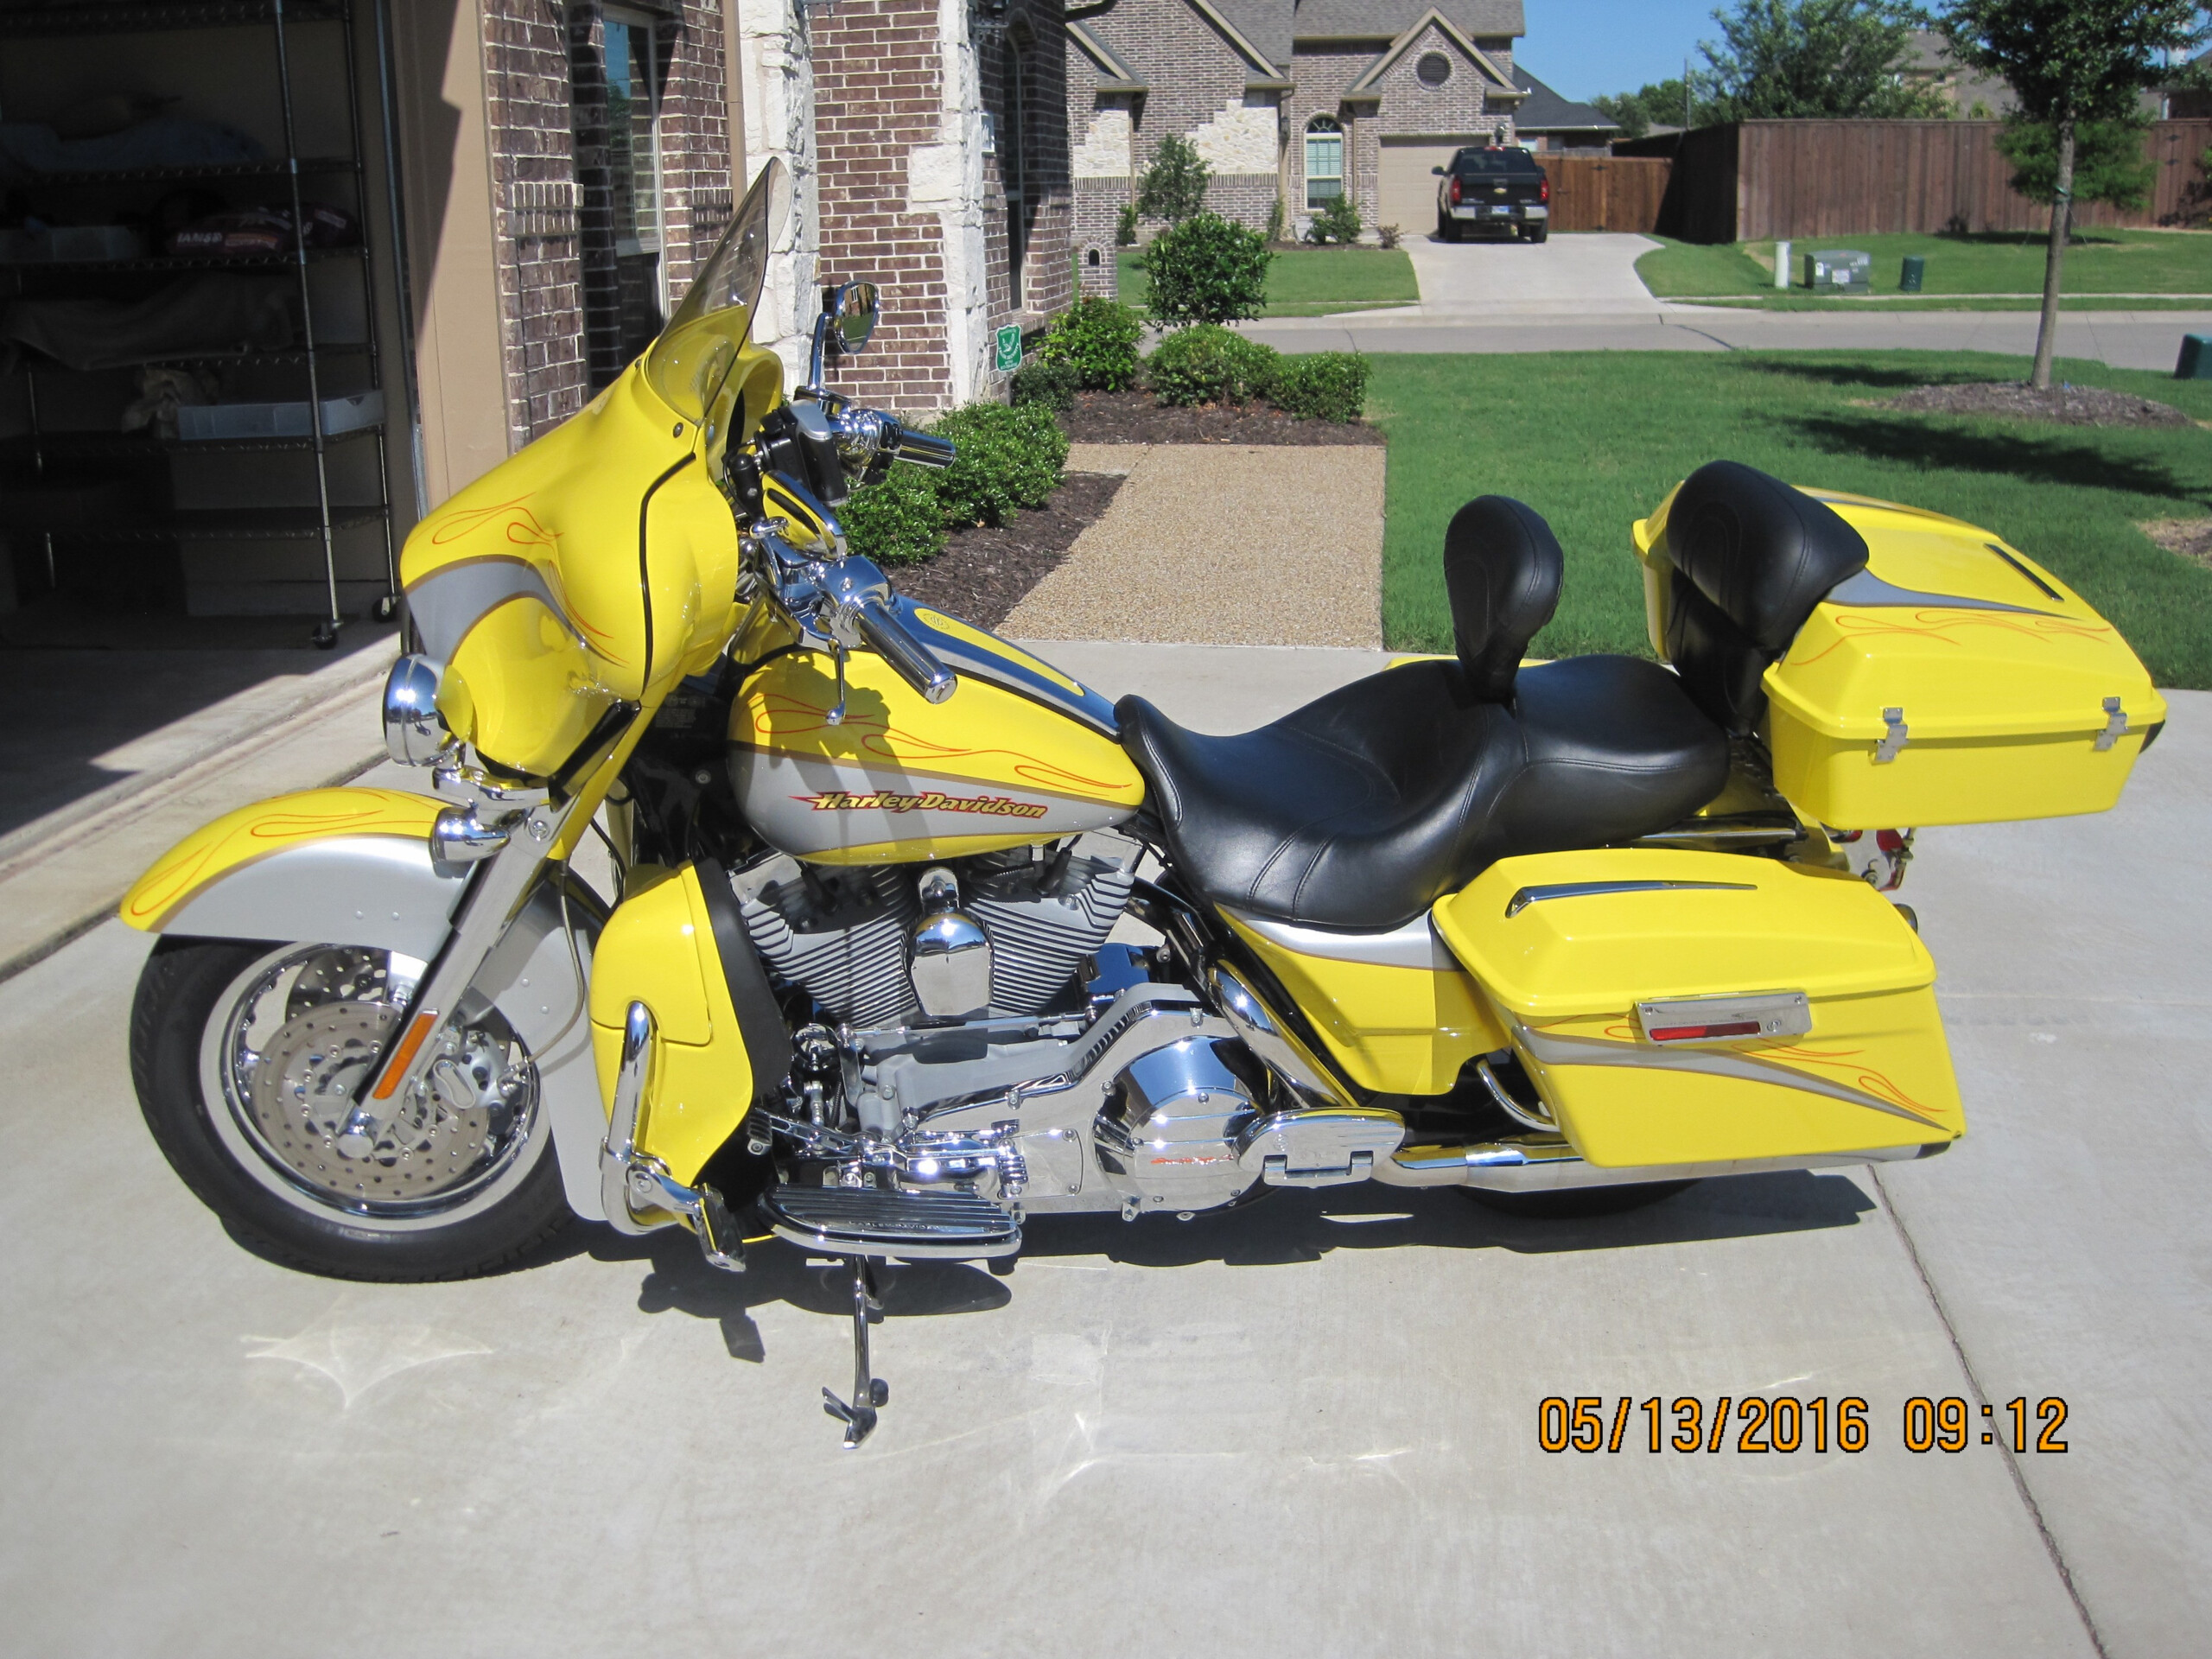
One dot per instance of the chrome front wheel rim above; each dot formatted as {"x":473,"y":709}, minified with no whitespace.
{"x":287,"y":1046}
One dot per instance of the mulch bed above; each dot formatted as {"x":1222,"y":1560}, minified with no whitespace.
{"x":1132,"y":418}
{"x":2066,"y":405}
{"x":983,"y":573}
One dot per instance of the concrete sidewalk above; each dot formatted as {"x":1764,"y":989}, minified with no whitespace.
{"x":2126,"y":340}
{"x":1310,"y":1428}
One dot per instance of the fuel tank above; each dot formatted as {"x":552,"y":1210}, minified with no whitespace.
{"x":1018,"y":753}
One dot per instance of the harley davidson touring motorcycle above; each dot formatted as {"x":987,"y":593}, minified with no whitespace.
{"x":1563,"y":933}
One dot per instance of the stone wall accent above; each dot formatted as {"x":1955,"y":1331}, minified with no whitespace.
{"x":1194,"y":72}
{"x":776,"y":64}
{"x":1104,"y":150}
{"x":1241,"y":137}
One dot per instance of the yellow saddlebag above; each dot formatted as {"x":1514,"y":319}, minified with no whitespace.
{"x":1679,"y":1007}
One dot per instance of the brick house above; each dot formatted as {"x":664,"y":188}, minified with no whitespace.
{"x":1292,"y":103}
{"x":598,"y":152}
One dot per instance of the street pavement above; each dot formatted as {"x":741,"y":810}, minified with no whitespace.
{"x":1580,"y":293}
{"x":1311,"y":1428}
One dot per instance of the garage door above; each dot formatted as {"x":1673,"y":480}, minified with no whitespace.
{"x":1408,"y":189}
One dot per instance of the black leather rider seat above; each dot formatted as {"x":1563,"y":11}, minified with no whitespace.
{"x":1363,"y":808}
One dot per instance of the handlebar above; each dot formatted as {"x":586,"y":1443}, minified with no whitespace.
{"x":920,"y":447}
{"x":915,"y":662}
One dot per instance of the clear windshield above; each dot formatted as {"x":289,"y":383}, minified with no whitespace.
{"x":694,"y":353}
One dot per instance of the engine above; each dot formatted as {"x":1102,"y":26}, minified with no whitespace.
{"x":997,"y":934}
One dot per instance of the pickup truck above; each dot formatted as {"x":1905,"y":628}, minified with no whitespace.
{"x":1499,"y":188}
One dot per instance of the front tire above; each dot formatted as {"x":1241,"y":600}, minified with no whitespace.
{"x":245,"y":1057}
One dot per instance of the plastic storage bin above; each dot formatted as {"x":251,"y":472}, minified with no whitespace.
{"x":213,"y":420}
{"x":1681,"y":1008}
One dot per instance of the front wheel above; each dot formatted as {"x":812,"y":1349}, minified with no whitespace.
{"x":246,"y":1058}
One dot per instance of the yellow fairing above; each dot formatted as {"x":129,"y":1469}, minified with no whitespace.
{"x":1398,"y":1031}
{"x":527,"y":584}
{"x":2009,"y":693}
{"x":1567,"y":945}
{"x":900,"y":778}
{"x":254,"y":832}
{"x":658,"y":948}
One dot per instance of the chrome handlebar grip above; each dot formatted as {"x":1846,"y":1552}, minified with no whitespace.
{"x":920,"y":447}
{"x":915,"y":662}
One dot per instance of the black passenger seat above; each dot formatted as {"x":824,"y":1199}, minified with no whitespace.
{"x":1363,"y":808}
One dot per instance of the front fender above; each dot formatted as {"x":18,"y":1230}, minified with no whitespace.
{"x":353,"y":866}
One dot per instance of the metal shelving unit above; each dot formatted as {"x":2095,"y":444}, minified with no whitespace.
{"x":323,"y":522}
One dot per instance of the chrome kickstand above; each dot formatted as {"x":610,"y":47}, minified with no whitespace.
{"x":868,"y":1392}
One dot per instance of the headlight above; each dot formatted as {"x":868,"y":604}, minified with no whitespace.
{"x":414,"y":731}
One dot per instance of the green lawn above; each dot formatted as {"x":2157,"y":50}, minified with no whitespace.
{"x":1311,"y":282}
{"x":2100,"y":262}
{"x":1593,"y":440}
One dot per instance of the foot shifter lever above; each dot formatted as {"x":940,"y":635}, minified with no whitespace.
{"x":868,"y":1392}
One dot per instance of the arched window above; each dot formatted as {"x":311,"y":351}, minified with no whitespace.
{"x":1324,"y":162}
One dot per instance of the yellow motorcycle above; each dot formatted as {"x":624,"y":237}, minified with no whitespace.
{"x":913,"y":938}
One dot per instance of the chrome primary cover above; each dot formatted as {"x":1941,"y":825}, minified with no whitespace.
{"x":1167,"y":1138}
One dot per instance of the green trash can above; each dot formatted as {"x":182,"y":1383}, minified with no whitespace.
{"x":2195,"y":363}
{"x":1916,"y":267}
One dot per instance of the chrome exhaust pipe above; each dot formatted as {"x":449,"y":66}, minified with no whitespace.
{"x":1548,"y":1164}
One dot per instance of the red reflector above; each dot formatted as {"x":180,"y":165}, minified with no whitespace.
{"x":1705,"y":1033}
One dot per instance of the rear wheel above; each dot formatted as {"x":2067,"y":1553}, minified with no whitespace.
{"x":1537,"y":232}
{"x":247,"y":1057}
{"x":1578,"y":1202}
{"x":1447,"y":228}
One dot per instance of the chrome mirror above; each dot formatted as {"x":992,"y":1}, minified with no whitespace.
{"x":849,"y":312}
{"x":415,"y":733}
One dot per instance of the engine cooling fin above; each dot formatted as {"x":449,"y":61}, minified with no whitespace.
{"x":868,"y":1221}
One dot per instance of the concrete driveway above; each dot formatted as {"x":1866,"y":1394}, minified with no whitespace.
{"x":1583,"y":276}
{"x":1308,"y":1428}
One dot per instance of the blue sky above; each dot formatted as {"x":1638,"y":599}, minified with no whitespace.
{"x":1582,"y":48}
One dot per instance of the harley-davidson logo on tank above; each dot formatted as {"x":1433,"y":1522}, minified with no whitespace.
{"x":898,"y":779}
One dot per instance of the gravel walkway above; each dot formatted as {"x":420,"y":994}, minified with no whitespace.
{"x":1222,"y":544}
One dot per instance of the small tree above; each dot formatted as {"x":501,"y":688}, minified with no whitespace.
{"x":1207,"y":270}
{"x":2071,"y":62}
{"x":1784,"y":60}
{"x":1337,"y":222}
{"x":1174,"y":187}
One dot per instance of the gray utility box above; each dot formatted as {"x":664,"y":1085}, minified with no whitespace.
{"x":1839,"y":269}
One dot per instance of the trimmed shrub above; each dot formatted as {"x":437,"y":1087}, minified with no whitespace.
{"x":1210,"y":365}
{"x":898,"y":521}
{"x":1125,"y":225}
{"x":1321,"y":386}
{"x":1207,"y":270}
{"x":1097,"y":340}
{"x":1045,"y":383}
{"x":1337,"y":222}
{"x":1010,"y":459}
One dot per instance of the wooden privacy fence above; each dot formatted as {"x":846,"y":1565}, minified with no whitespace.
{"x":1605,"y":193}
{"x":1749,"y":180}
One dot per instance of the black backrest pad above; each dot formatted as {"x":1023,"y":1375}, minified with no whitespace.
{"x":1761,"y":552}
{"x":1751,"y":558}
{"x":1502,"y":568}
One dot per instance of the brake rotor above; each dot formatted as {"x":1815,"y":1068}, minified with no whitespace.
{"x":445,"y":1132}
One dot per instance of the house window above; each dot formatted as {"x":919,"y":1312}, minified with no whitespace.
{"x":1433,"y":69}
{"x":1324,"y":162}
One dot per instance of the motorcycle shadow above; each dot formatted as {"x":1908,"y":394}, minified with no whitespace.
{"x":680,"y":1281}
{"x":1286,"y":1228}
{"x":1293,"y":1226}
